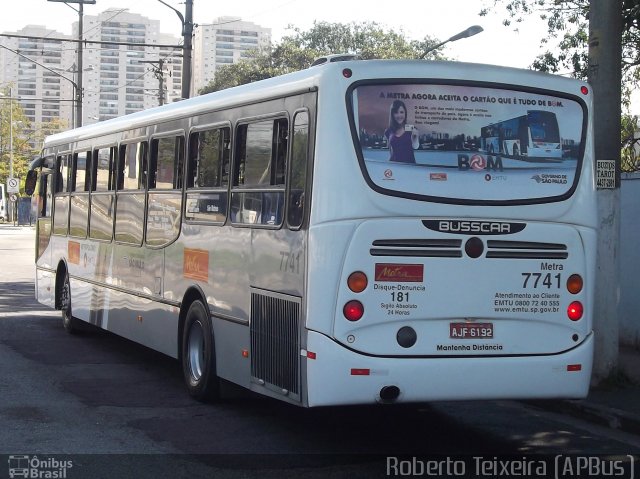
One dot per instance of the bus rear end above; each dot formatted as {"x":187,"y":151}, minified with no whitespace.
{"x":458,"y":274}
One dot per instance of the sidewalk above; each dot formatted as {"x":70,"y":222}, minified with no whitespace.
{"x":614,"y":403}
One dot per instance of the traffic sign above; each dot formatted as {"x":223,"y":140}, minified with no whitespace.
{"x":13,"y":185}
{"x":13,"y":197}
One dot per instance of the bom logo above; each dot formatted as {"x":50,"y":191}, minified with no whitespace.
{"x":478,"y":162}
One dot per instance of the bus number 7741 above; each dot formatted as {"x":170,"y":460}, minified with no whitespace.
{"x":547,"y":280}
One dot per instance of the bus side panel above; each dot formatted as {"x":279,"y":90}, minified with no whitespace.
{"x":327,"y":244}
{"x":143,"y":320}
{"x":45,"y":277}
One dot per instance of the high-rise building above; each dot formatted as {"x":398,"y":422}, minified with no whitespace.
{"x":115,"y":79}
{"x":121,"y":77}
{"x":44,"y":94}
{"x":226,"y":40}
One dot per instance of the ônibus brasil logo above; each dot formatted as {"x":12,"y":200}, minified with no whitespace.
{"x":477,"y":162}
{"x":35,"y":467}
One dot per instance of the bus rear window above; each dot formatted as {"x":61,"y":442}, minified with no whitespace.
{"x":468,"y":143}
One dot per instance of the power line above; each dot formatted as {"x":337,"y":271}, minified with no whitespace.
{"x":94,"y":42}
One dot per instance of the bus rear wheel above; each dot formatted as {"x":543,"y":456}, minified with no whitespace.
{"x":71,"y":325}
{"x":198,"y":354}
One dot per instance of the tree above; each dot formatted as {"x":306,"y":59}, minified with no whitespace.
{"x":13,"y":133}
{"x":568,"y":24}
{"x":297,"y":51}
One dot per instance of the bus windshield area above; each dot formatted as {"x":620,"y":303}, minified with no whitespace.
{"x":468,"y":143}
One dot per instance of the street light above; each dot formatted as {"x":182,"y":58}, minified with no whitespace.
{"x":469,"y":32}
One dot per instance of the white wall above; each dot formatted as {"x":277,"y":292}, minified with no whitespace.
{"x":630,"y":259}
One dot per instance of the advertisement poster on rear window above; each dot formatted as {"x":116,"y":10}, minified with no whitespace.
{"x":468,"y":143}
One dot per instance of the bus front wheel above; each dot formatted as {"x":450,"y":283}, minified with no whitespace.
{"x":198,"y":354}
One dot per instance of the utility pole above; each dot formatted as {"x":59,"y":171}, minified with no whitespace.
{"x":79,"y":63}
{"x":187,"y":51}
{"x":80,"y":11}
{"x":187,"y":45}
{"x":605,"y":66}
{"x":158,"y":71}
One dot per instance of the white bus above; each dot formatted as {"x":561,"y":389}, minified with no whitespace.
{"x":534,"y":136}
{"x":259,"y":236}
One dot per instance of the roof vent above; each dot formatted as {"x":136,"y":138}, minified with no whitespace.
{"x":338,"y":57}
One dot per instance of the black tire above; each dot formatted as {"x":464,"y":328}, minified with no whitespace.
{"x":71,"y":325}
{"x":198,"y":354}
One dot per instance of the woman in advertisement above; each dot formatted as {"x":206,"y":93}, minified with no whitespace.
{"x":402,"y":138}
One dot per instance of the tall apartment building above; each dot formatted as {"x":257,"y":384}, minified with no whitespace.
{"x":43,"y":94}
{"x":119,"y":79}
{"x":226,"y":40}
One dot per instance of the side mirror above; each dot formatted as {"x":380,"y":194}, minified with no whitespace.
{"x":30,"y":182}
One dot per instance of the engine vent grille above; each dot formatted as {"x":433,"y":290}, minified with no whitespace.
{"x":422,"y":248}
{"x":275,"y":342}
{"x":526,"y":250}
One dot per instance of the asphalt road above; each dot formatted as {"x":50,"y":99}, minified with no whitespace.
{"x":117,"y":409}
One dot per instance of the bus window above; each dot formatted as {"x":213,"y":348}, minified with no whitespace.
{"x":298,"y":173}
{"x":103,"y":169}
{"x":80,"y":184}
{"x":487,"y":130}
{"x":62,"y":173}
{"x":209,"y":159}
{"x":164,"y":205}
{"x":133,"y":166}
{"x":103,"y":198}
{"x":130,"y":207}
{"x":61,"y":208}
{"x":167,"y":158}
{"x":81,"y":177}
{"x":208,"y":169}
{"x":261,"y":150}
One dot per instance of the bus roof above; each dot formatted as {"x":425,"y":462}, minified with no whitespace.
{"x":305,"y":80}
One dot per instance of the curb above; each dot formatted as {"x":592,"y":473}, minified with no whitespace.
{"x":595,"y":413}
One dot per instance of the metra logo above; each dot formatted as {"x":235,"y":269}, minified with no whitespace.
{"x":196,"y":264}
{"x":477,"y":162}
{"x":402,"y":273}
{"x":474,"y":227}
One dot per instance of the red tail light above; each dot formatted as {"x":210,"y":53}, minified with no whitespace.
{"x":353,"y":310}
{"x":575,"y":311}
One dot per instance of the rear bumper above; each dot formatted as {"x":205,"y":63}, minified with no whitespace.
{"x":331,"y":381}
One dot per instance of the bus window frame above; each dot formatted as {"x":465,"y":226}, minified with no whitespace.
{"x":235,"y":165}
{"x":209,"y":190}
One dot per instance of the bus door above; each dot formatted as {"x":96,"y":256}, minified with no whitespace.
{"x":39,"y":183}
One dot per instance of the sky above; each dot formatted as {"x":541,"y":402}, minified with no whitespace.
{"x":498,"y":44}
